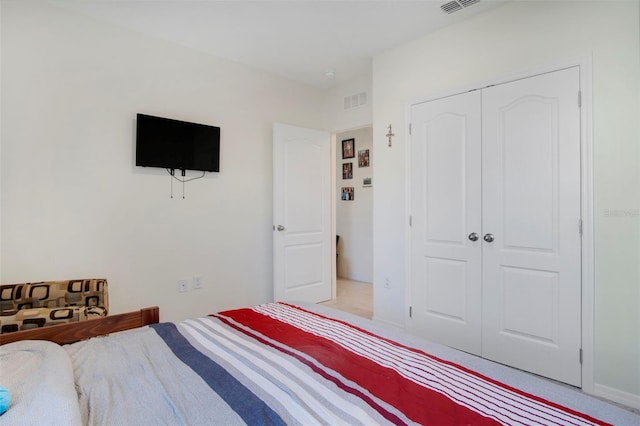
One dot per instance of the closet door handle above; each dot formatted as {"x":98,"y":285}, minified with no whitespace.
{"x":488,"y":238}
{"x":474,"y":236}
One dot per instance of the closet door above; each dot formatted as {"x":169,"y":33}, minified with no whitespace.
{"x":531,"y":296}
{"x":445,"y":192}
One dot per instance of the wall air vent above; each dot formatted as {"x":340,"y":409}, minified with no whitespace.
{"x":456,"y":5}
{"x":356,"y":100}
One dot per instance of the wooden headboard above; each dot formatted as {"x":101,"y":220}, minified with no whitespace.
{"x":75,"y":331}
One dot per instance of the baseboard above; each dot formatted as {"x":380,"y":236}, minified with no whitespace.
{"x":388,"y":323}
{"x":616,"y":395}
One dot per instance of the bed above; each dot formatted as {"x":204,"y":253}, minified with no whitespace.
{"x":276,"y":363}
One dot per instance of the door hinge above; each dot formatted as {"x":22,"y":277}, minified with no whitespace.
{"x":410,"y":311}
{"x":580,"y":98}
{"x":580,"y":226}
{"x":410,"y":220}
{"x":580,"y":355}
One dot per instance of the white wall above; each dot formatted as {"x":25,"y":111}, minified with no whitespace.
{"x":354,"y":219}
{"x":510,"y":39}
{"x":73,"y":203}
{"x":337,"y":118}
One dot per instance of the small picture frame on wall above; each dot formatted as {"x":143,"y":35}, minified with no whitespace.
{"x":363,"y":158}
{"x":347,"y":171}
{"x":348,"y":148}
{"x":366,"y":182}
{"x":347,"y":193}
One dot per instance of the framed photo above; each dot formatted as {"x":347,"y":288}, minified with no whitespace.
{"x":347,"y":171}
{"x":363,"y":158}
{"x":347,"y":193}
{"x":348,"y":148}
{"x":366,"y":182}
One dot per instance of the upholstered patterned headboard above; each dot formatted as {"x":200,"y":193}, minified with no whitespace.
{"x":30,"y":305}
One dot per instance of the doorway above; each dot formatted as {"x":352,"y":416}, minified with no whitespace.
{"x":353,"y":165}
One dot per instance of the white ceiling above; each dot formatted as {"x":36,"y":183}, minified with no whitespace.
{"x":300,"y":40}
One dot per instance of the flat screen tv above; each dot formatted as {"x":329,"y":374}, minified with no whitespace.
{"x":174,"y":144}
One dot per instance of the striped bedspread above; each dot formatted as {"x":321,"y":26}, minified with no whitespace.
{"x":402,"y":385}
{"x":282,"y":364}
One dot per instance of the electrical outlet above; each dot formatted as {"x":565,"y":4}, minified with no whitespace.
{"x":197,"y":281}
{"x":387,"y":282}
{"x":183,"y":286}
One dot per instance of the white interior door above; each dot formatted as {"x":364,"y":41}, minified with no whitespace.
{"x":446,"y":204}
{"x":302,"y":214}
{"x":531,"y":206}
{"x":503,"y":163}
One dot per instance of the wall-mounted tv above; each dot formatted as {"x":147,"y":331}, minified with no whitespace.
{"x":174,"y":144}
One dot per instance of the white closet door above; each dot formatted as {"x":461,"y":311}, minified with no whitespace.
{"x":531,"y":206}
{"x":445,"y":193}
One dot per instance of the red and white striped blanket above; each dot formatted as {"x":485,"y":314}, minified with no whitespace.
{"x":280,"y":364}
{"x":403,"y":385}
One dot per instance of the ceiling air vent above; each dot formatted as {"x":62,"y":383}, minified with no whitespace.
{"x":456,"y":5}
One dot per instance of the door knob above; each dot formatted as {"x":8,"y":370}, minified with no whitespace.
{"x":473,"y":236}
{"x":280,"y":228}
{"x":488,"y":238}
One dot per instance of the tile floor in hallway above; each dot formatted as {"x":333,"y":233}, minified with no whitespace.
{"x":354,"y":297}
